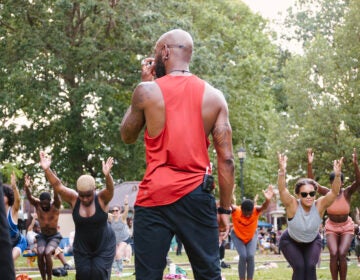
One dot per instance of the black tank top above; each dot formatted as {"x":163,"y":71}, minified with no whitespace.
{"x":92,"y":234}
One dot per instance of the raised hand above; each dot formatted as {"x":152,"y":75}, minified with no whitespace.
{"x":354,"y":155}
{"x":310,"y":155}
{"x":27,"y":181}
{"x":13,"y":179}
{"x":337,"y":166}
{"x":107,"y":166}
{"x":45,"y":160}
{"x":269,"y":192}
{"x":282,"y":162}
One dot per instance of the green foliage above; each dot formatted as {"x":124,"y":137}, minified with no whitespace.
{"x":321,"y":89}
{"x":6,"y":169}
{"x":70,"y":68}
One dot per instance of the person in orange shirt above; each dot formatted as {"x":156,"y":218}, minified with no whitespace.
{"x":245,"y":222}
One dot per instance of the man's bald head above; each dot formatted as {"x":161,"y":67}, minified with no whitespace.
{"x":178,"y":39}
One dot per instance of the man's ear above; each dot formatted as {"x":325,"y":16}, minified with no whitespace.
{"x":166,"y":52}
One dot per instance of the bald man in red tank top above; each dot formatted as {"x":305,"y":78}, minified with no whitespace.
{"x":179,"y":111}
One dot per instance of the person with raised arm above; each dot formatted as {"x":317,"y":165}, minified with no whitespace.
{"x":300,"y":243}
{"x":339,"y":226}
{"x":94,"y":243}
{"x":118,"y":221}
{"x":244,"y":233}
{"x":49,"y":237}
{"x":12,"y":207}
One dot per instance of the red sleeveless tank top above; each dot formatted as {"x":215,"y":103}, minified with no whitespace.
{"x":176,"y":158}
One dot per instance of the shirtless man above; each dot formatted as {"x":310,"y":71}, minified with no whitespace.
{"x":49,"y":237}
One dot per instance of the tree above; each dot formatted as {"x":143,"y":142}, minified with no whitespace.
{"x":70,"y":68}
{"x":321,"y":92}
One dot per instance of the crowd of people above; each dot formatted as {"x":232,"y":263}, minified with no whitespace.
{"x":175,"y":198}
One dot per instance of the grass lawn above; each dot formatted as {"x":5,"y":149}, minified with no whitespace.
{"x":282,"y":272}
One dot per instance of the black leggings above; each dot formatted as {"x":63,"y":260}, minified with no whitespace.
{"x":302,"y":257}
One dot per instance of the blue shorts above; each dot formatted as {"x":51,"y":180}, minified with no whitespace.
{"x":22,"y":243}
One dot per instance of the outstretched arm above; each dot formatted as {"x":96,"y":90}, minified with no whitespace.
{"x":310,"y":159}
{"x":310,"y":156}
{"x":66,"y":194}
{"x":107,"y":194}
{"x":126,"y":208}
{"x":57,"y":200}
{"x":33,"y":220}
{"x":357,"y":216}
{"x":286,"y":198}
{"x":27,"y":185}
{"x":268,"y":193}
{"x":325,"y":201}
{"x":356,"y":167}
{"x":256,"y":199}
{"x":16,"y":205}
{"x":356,"y":184}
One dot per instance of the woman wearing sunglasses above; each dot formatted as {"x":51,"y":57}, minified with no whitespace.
{"x":339,"y":226}
{"x":118,"y":220}
{"x":300,"y":243}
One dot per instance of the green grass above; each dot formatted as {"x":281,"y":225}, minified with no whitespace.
{"x":282,"y":272}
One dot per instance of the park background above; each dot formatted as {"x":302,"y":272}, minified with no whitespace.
{"x":68,"y":69}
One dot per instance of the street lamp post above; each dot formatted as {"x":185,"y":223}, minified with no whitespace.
{"x":241,"y":155}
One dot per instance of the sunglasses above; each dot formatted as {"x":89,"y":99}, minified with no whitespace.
{"x":305,"y":194}
{"x":116,"y":210}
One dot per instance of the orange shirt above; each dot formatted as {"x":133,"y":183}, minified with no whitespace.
{"x":245,"y":227}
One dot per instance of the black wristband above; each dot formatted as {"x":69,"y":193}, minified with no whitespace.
{"x":222,"y":210}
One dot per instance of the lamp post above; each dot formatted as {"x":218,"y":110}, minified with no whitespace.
{"x":241,"y":155}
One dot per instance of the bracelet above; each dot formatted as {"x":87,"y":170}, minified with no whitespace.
{"x":222,"y":210}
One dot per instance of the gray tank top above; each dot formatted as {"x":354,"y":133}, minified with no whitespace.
{"x":304,"y":227}
{"x":121,"y":230}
